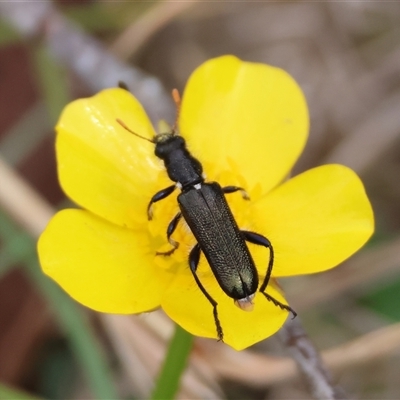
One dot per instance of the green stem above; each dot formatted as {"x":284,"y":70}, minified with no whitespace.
{"x":174,"y":365}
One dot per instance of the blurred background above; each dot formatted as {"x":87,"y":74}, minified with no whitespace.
{"x":346,"y":58}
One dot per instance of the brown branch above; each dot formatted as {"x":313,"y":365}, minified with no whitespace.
{"x":265,"y":370}
{"x":85,"y":56}
{"x":296,"y":341}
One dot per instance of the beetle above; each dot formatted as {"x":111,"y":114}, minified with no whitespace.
{"x":204,"y":208}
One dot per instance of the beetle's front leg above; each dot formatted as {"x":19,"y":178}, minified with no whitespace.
{"x":162,"y":194}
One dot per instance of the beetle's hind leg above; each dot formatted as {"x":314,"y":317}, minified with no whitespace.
{"x":170,"y":230}
{"x":260,"y":240}
{"x":194,"y":258}
{"x":279,"y":304}
{"x":256,"y":238}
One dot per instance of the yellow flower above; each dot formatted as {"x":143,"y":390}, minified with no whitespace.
{"x":247,"y":123}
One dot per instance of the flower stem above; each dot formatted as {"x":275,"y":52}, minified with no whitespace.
{"x":174,"y":364}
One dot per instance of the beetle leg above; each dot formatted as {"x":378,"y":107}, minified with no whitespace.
{"x":232,"y":189}
{"x":170,"y":230}
{"x":280,"y":305}
{"x":194,"y":258}
{"x":162,"y":194}
{"x":256,"y":238}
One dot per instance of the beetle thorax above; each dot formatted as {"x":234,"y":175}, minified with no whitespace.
{"x":181,"y":166}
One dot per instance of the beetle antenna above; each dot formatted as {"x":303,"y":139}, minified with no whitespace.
{"x":134,"y":133}
{"x":177,"y":100}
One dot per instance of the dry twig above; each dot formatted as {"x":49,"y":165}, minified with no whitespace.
{"x":309,"y":362}
{"x":140,"y":31}
{"x":88,"y":58}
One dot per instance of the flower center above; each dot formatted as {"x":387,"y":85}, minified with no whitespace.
{"x":165,"y":210}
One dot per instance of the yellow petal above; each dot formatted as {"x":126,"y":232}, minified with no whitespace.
{"x":247,"y":117}
{"x":315,"y":220}
{"x":187,"y":305}
{"x":101,"y":166}
{"x":101,"y":265}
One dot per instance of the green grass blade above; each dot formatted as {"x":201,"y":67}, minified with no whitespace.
{"x":174,"y":365}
